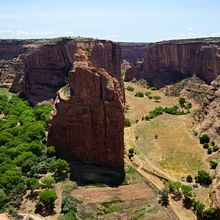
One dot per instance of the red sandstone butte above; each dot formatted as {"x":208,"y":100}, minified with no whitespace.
{"x":88,"y":119}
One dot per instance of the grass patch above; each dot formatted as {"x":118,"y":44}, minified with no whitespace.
{"x":113,"y":206}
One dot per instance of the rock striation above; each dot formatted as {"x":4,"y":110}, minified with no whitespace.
{"x":170,"y":61}
{"x":88,"y":119}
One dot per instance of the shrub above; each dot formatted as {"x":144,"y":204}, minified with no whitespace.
{"x":156,"y":98}
{"x":204,"y":139}
{"x":182,"y":101}
{"x":130,"y":88}
{"x":164,"y":197}
{"x":189,"y":179}
{"x":206,"y":146}
{"x":186,"y":190}
{"x":48,"y":197}
{"x":154,"y":113}
{"x":209,"y":151}
{"x":51,"y":151}
{"x":204,"y":178}
{"x":198,"y":207}
{"x":127,"y":122}
{"x":213,"y":164}
{"x":174,"y":186}
{"x":59,"y":166}
{"x":47,"y":181}
{"x":3,"y":198}
{"x":210,"y":214}
{"x":148,"y":93}
{"x":139,"y":94}
{"x":131,"y":153}
{"x":215,"y":148}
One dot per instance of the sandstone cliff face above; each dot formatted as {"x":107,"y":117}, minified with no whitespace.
{"x":87,"y":121}
{"x":46,"y":69}
{"x":169,"y":62}
{"x":208,"y":121}
{"x":131,"y":53}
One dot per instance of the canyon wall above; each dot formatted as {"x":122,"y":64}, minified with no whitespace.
{"x":132,"y":53}
{"x":208,"y":120}
{"x":171,"y":61}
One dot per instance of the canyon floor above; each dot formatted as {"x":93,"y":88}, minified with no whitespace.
{"x":165,"y":149}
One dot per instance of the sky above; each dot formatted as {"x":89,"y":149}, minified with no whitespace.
{"x":117,"y":20}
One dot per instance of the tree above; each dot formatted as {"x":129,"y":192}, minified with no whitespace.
{"x":127,"y":122}
{"x":198,"y":207}
{"x":32,"y":184}
{"x":174,"y":186}
{"x":47,"y":181}
{"x":130,"y":88}
{"x":209,"y":151}
{"x":164,"y":198}
{"x":213,"y":164}
{"x":3,"y":198}
{"x":204,"y":139}
{"x":204,"y":178}
{"x":130,"y":153}
{"x":182,"y":101}
{"x":205,"y":145}
{"x":51,"y":151}
{"x":48,"y":197}
{"x":210,"y":214}
{"x":189,"y":179}
{"x":60,"y":167}
{"x":156,"y":98}
{"x":186,"y":190}
{"x":139,"y":94}
{"x":148,"y":93}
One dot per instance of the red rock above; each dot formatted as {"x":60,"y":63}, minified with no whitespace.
{"x":88,"y":120}
{"x":171,"y":61}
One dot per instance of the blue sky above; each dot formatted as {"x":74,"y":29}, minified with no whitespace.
{"x":118,"y":20}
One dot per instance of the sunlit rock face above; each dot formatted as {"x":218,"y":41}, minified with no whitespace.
{"x":168,"y":62}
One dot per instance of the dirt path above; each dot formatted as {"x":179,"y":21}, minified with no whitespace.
{"x":108,"y":194}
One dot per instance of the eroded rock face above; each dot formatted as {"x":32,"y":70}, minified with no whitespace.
{"x":208,"y":121}
{"x":88,"y":118}
{"x":168,"y":62}
{"x":46,"y":69}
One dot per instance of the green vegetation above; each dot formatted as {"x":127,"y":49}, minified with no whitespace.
{"x":139,"y":94}
{"x":131,"y":153}
{"x":127,"y":122}
{"x":164,"y":197}
{"x":204,"y":139}
{"x":154,"y":113}
{"x":157,"y":98}
{"x":198,"y":207}
{"x":210,"y":214}
{"x":130,"y":88}
{"x":24,"y":158}
{"x":47,"y":181}
{"x":213,"y":164}
{"x":189,"y":179}
{"x":113,"y":206}
{"x":204,"y":178}
{"x":182,"y":101}
{"x":48,"y":198}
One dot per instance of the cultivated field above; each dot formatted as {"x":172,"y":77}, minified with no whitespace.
{"x":166,"y":143}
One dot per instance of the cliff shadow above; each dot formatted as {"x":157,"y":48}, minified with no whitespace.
{"x":165,"y":77}
{"x":85,"y":173}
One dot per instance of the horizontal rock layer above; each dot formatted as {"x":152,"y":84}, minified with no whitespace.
{"x":168,"y":62}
